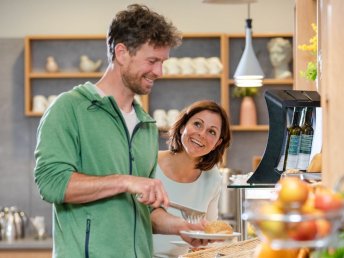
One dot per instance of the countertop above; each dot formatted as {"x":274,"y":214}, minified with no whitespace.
{"x":27,"y":243}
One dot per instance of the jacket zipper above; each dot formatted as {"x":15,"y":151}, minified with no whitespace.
{"x":129,"y":140}
{"x":87,"y":240}
{"x":130,"y":166}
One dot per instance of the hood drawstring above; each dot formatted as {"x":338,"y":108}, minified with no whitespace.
{"x":94,"y":105}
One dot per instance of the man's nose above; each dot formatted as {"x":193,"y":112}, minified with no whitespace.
{"x":157,"y":69}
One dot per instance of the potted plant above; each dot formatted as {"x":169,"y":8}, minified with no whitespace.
{"x":248,"y":112}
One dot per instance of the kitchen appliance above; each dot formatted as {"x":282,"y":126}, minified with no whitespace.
{"x":282,"y":105}
{"x":13,"y":223}
{"x":228,"y":196}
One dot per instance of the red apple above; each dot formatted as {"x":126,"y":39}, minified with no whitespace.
{"x":327,"y":200}
{"x":302,"y":231}
{"x":292,"y":191}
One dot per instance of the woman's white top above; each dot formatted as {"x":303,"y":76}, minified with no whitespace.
{"x":202,"y":194}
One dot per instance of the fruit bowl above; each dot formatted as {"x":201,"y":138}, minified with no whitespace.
{"x":292,"y":229}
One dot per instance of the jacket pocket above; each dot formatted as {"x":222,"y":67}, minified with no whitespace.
{"x":87,"y":238}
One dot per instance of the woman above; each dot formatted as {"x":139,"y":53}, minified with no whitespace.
{"x":188,"y":170}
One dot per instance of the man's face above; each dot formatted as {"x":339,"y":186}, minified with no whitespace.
{"x":141,"y":70}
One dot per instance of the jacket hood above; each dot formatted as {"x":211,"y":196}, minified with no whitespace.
{"x":89,"y":92}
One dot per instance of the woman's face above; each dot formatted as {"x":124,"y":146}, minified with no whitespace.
{"x":201,"y":134}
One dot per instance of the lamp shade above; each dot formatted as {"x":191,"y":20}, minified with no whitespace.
{"x":248,"y":73}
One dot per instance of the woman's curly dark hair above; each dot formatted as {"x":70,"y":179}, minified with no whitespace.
{"x":138,"y":25}
{"x":215,"y":156}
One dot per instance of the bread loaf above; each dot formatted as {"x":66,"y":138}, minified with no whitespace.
{"x":218,"y":226}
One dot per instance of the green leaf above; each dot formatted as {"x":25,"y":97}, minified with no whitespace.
{"x":240,"y":92}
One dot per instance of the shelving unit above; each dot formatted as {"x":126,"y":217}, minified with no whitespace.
{"x":170,"y":91}
{"x":224,"y":46}
{"x":68,"y":48}
{"x":236,"y":44}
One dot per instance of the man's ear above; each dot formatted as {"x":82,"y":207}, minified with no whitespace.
{"x":121,"y":52}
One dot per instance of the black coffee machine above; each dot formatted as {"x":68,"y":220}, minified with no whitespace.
{"x":280,"y":104}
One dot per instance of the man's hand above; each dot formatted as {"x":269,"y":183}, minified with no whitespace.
{"x":148,"y":191}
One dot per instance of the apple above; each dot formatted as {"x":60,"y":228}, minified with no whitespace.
{"x":323,"y":227}
{"x":292,"y":192}
{"x":308,"y":206}
{"x":302,"y":231}
{"x":327,"y":200}
{"x":272,"y":228}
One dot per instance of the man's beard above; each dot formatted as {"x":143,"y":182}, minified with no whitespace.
{"x":132,"y":82}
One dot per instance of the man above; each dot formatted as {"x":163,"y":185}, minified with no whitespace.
{"x":97,"y":149}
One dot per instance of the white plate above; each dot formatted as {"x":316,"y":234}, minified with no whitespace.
{"x":180,"y":243}
{"x":203,"y":235}
{"x":185,"y":244}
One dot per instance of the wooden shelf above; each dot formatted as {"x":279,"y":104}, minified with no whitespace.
{"x":33,"y":114}
{"x":44,"y":75}
{"x":270,"y":81}
{"x":192,"y":76}
{"x":257,"y":128}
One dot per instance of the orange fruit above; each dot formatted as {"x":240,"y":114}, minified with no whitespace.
{"x":263,"y":250}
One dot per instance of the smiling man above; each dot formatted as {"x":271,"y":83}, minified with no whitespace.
{"x":91,"y":153}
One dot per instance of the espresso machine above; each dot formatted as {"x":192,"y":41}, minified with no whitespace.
{"x":281,"y":105}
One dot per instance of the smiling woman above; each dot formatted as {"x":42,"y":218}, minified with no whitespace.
{"x":197,"y":142}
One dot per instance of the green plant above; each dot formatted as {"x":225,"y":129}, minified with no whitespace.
{"x":311,"y":70}
{"x":240,"y":92}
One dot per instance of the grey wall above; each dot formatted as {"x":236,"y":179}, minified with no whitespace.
{"x":18,"y":132}
{"x":17,"y":136}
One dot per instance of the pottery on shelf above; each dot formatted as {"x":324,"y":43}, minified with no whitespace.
{"x":87,"y":65}
{"x":248,"y":112}
{"x":51,"y":65}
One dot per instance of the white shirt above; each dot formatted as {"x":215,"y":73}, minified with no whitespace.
{"x":130,"y":118}
{"x":202,"y":194}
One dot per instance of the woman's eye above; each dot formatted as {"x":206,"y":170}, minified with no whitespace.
{"x":212,"y":132}
{"x":197,"y":124}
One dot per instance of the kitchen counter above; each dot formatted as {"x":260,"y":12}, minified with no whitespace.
{"x":26,"y":248}
{"x":27,"y":243}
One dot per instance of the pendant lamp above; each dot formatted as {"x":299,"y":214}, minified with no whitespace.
{"x":248,"y":73}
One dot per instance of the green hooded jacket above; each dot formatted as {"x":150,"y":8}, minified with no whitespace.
{"x":86,"y":133}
